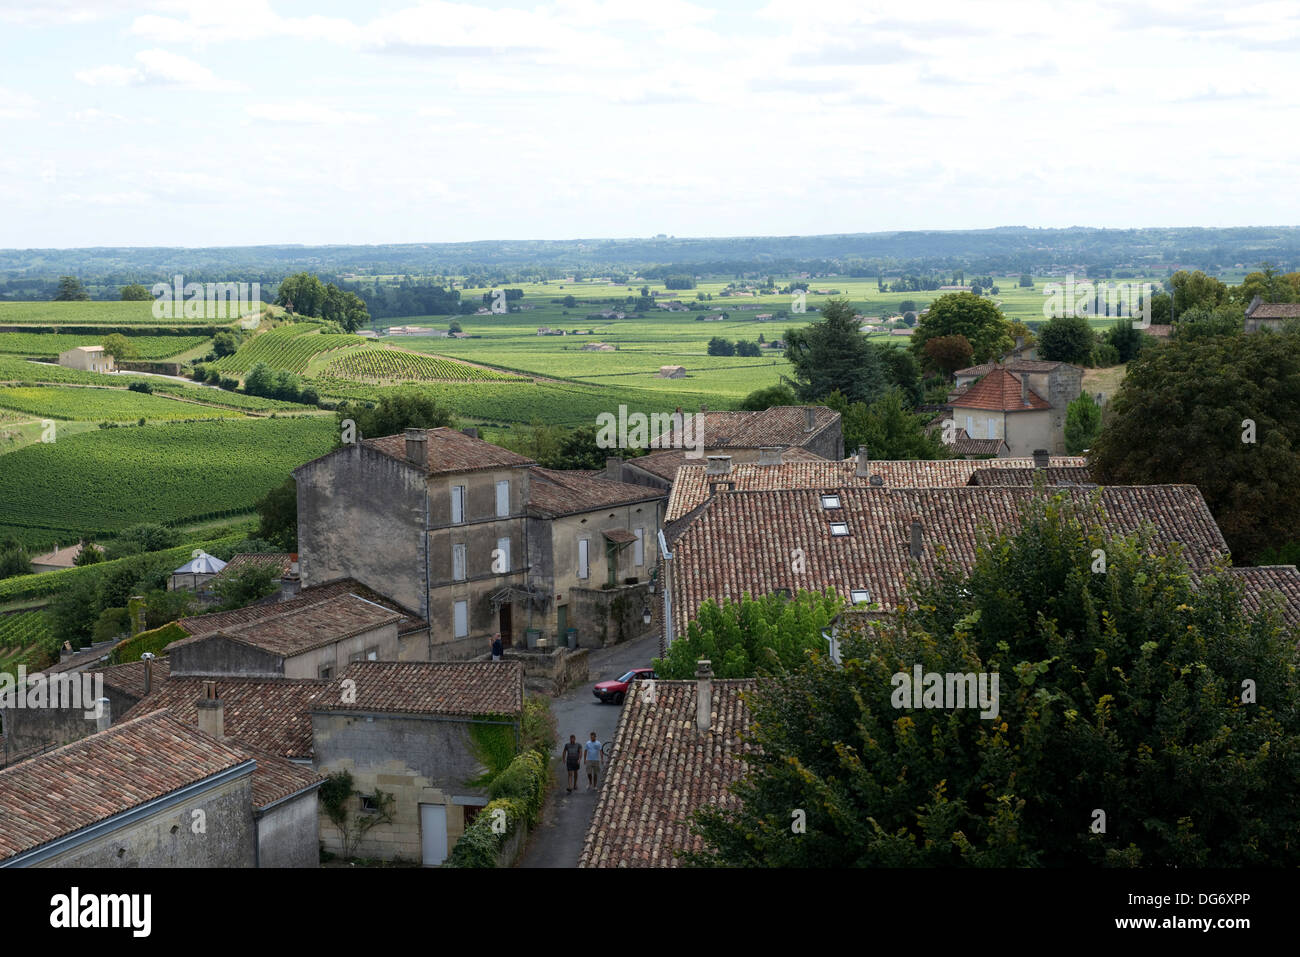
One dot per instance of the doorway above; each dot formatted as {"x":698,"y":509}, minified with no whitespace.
{"x":433,"y":834}
{"x":503,"y":623}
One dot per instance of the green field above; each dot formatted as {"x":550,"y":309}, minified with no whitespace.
{"x":49,"y":345}
{"x":92,"y":313}
{"x":20,"y":633}
{"x":290,"y":347}
{"x":98,"y":482}
{"x":109,"y":405}
{"x":381,"y":364}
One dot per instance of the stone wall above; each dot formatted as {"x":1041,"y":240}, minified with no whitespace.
{"x":610,"y":616}
{"x":288,"y":835}
{"x":551,"y":671}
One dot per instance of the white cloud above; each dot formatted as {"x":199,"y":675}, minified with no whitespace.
{"x":16,"y":106}
{"x":158,"y":68}
{"x":307,"y":113}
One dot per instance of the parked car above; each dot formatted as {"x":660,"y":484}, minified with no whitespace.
{"x":617,"y":689}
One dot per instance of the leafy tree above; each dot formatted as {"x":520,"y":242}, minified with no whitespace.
{"x":1018,"y":330}
{"x":396,"y":411}
{"x":1196,"y":290}
{"x":773,"y":395}
{"x":285,"y":386}
{"x":1266,"y":283}
{"x":118,"y":346}
{"x":1066,"y":339}
{"x":454,"y":326}
{"x":71,"y":290}
{"x":1026,"y":281}
{"x":163,"y":605}
{"x":277,"y":516}
{"x":1120,"y":691}
{"x":719,"y":346}
{"x":964,"y":314}
{"x":947,"y":354}
{"x":144,"y":537}
{"x":1181,"y":416}
{"x":225,"y":344}
{"x":89,"y":554}
{"x":1082,"y":424}
{"x":1224,"y":320}
{"x":14,"y":559}
{"x":73,"y":612}
{"x":902,"y":371}
{"x":246,"y":585}
{"x":577,"y":449}
{"x":260,"y":380}
{"x":832,"y":354}
{"x":748,"y":349}
{"x":302,"y":293}
{"x":1126,"y":339}
{"x":886,"y":428}
{"x":135,"y":293}
{"x":1160,"y":305}
{"x":741,"y":639}
{"x":111,"y":623}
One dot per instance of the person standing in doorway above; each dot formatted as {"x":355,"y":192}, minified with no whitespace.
{"x":592,"y":760}
{"x":572,"y":755}
{"x":497,"y":649}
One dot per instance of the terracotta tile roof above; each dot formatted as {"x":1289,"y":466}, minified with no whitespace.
{"x":92,"y":779}
{"x":662,"y":770}
{"x":421,"y":687}
{"x":552,"y":493}
{"x":226,"y":620}
{"x":449,"y":450}
{"x":760,"y":529}
{"x":267,"y":713}
{"x":1052,"y":475}
{"x":999,"y":391}
{"x":299,"y":630}
{"x":692,"y":486}
{"x":963,"y":444}
{"x":1262,"y":580}
{"x":781,"y":425}
{"x":1012,"y":365}
{"x":281,"y":561}
{"x":1159,"y":331}
{"x":129,"y":677}
{"x":276,"y":778}
{"x":1275,"y":310}
{"x":620,"y":536}
{"x":664,"y":464}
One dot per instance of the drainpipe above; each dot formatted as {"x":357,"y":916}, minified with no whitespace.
{"x":428,"y":610}
{"x":665,"y":584}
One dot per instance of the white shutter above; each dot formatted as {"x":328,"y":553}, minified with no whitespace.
{"x":638,"y":550}
{"x":993,"y":429}
{"x":583,"y":570}
{"x":503,"y":499}
{"x":970,"y":427}
{"x":503,"y":546}
{"x":457,"y":504}
{"x":458,"y":557}
{"x":461,"y":619}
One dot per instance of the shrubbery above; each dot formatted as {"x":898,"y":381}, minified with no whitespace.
{"x":519,"y":793}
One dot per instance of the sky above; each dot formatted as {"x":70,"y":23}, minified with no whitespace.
{"x":249,"y":122}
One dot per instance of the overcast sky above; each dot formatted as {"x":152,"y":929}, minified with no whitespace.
{"x":223,"y":122}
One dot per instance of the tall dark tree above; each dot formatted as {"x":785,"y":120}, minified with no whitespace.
{"x":277,"y":516}
{"x":964,"y":314}
{"x":832,"y":355}
{"x":403,"y":409}
{"x":71,"y":290}
{"x":1066,"y":339}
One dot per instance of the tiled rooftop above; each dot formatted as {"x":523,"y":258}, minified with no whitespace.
{"x":760,"y":530}
{"x":266,"y":713}
{"x":301,"y":629}
{"x":129,"y":677}
{"x":419,"y":687}
{"x":692,"y":486}
{"x":1013,"y":365}
{"x":662,"y":770}
{"x":280,"y":561}
{"x":85,"y":782}
{"x":1265,"y":579}
{"x":227,"y":620}
{"x":781,"y":425}
{"x":996,"y":474}
{"x":449,"y":450}
{"x":999,"y":391}
{"x":553,"y":493}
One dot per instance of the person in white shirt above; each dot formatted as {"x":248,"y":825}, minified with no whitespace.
{"x":591,"y":758}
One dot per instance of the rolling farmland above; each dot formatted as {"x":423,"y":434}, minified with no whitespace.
{"x":390,"y":365}
{"x":48,"y":345}
{"x":289,"y":347}
{"x":92,"y":405}
{"x":94,"y":312}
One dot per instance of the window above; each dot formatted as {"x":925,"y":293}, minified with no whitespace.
{"x":501,"y":563}
{"x":638,"y":549}
{"x":458,"y":562}
{"x":368,"y":804}
{"x":993,"y":429}
{"x":355,"y":656}
{"x":457,"y":504}
{"x":372,"y":654}
{"x":859,"y":595}
{"x":830,"y":501}
{"x":970,"y":426}
{"x":326,"y":672}
{"x":839,"y":529}
{"x":503,"y":499}
{"x":461,"y":619}
{"x":583,"y":569}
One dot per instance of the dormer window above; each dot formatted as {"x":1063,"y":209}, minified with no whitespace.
{"x":830,"y":501}
{"x":859,"y":596}
{"x":839,"y":529}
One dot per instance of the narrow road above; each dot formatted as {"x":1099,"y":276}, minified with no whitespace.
{"x":557,"y":841}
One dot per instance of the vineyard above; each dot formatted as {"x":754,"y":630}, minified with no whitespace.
{"x":98,"y":482}
{"x":391,"y":365}
{"x":102,"y":405}
{"x":93,"y":313}
{"x":288,"y":347}
{"x":49,"y":345}
{"x":20,"y":632}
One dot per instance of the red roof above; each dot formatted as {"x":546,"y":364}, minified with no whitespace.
{"x":999,"y":391}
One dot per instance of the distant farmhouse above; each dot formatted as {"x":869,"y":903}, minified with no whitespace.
{"x":87,"y":359}
{"x":1269,"y":315}
{"x":671,"y":372}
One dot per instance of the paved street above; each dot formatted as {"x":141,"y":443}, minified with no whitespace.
{"x":557,"y":842}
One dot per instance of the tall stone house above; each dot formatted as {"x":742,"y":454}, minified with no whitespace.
{"x":1023,"y":402}
{"x":477,"y":539}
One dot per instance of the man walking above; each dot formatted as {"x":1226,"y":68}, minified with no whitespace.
{"x":572,"y":753}
{"x":497,"y":649}
{"x":592,"y":760}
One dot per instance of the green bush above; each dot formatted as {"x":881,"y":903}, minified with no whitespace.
{"x":519,"y":791}
{"x":152,"y":641}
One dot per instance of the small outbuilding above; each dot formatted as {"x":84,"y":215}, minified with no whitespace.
{"x":87,"y":359}
{"x":672,"y":372}
{"x":198,"y":571}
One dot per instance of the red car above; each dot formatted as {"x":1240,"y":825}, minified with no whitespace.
{"x":617,"y":689}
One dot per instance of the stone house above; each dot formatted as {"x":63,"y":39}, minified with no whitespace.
{"x":87,"y":359}
{"x":1269,"y":315}
{"x":671,"y":372}
{"x":413,"y":731}
{"x":1057,"y":383}
{"x":1002,"y":406}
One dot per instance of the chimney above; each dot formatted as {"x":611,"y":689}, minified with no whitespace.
{"x":1024,"y":389}
{"x":104,"y":714}
{"x":769,"y":455}
{"x":718,"y":465}
{"x":293,"y":566}
{"x":914,"y":546}
{"x":703,"y":694}
{"x":809,"y":418}
{"x":416,"y":444}
{"x":471,"y":431}
{"x":614,"y":468}
{"x":1041,"y":458}
{"x":863,"y":457}
{"x":147,"y":658}
{"x":212,"y":714}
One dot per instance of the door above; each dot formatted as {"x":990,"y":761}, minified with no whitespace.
{"x":561,"y":621}
{"x":504,"y":616}
{"x":433,"y":834}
